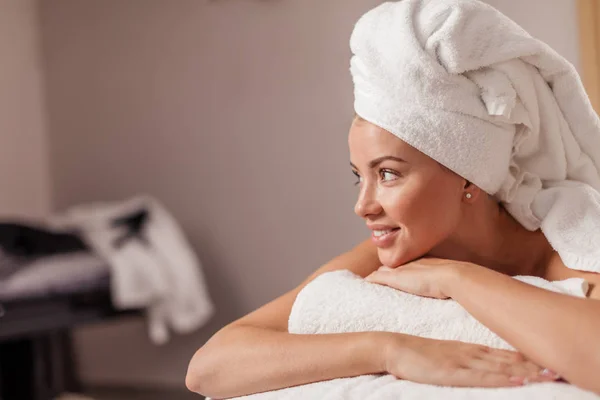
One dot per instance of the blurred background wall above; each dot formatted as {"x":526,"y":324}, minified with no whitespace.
{"x":24,"y":172}
{"x":234,"y":113}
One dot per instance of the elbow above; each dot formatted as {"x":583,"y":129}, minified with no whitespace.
{"x":193,"y":377}
{"x":208,"y":370}
{"x":198,"y":377}
{"x":589,"y":384}
{"x":589,"y":376}
{"x":192,"y":381}
{"x":581,"y":370}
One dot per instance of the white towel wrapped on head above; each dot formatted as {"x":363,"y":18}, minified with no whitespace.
{"x":468,"y":87}
{"x":340,"y":301}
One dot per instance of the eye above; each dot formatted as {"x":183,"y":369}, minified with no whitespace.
{"x":388,"y":175}
{"x":358,"y":178}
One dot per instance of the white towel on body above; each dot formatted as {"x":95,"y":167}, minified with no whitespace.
{"x":155,"y":269}
{"x":340,"y":301}
{"x":468,"y":87}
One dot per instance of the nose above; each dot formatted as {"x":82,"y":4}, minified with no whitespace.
{"x":367,"y":203}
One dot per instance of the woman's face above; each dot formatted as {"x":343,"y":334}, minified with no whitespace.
{"x":409,"y":201}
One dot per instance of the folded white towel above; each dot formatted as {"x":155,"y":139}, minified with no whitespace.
{"x":157,"y":270}
{"x":340,"y":301}
{"x":467,"y":86}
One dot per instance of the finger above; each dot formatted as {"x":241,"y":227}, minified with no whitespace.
{"x":525,"y":380}
{"x":483,"y":364}
{"x":508,"y":356}
{"x":520,"y":369}
{"x":387,"y":278}
{"x":382,"y":277}
{"x":516,"y":360}
{"x":550,"y":374}
{"x":371,"y":277}
{"x":526,"y":370}
{"x":467,"y":377}
{"x":519,"y":363}
{"x":532,"y":368}
{"x":502,"y":355}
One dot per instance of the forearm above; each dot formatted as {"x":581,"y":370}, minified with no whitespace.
{"x":557,"y":331}
{"x":244,"y":359}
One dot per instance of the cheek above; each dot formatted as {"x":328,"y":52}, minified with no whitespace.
{"x":427,"y":212}
{"x":399,"y":203}
{"x":441,"y":209}
{"x":407,"y":203}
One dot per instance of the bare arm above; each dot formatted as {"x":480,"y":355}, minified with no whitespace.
{"x":253,"y":359}
{"x":558,"y":331}
{"x":256,"y":353}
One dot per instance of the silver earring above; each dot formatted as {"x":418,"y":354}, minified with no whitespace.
{"x":468,"y":195}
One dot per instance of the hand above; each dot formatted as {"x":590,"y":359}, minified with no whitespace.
{"x":428,"y":277}
{"x":454,"y":363}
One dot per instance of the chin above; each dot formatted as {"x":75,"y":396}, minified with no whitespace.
{"x":398,"y":255}
{"x":391,"y":257}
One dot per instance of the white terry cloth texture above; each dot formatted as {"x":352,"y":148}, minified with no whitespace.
{"x":158,"y":272}
{"x":467,"y":86}
{"x":341,"y":301}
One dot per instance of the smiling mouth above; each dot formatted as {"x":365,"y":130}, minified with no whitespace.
{"x":382,"y":233}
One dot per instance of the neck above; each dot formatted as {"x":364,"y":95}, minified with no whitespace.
{"x":497,"y":242}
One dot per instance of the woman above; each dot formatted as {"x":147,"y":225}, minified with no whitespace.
{"x":456,"y":121}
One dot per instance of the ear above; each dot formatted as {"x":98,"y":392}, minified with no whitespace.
{"x":470,"y":192}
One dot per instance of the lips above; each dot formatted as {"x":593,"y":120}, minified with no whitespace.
{"x":382,"y":232}
{"x":380,"y":227}
{"x":384,"y":237}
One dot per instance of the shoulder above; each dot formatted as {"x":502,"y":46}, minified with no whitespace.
{"x":594,"y":280}
{"x":557,"y":270}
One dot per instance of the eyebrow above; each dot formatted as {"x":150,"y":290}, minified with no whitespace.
{"x":377,"y":161}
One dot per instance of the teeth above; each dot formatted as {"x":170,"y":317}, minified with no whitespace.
{"x":381,"y":233}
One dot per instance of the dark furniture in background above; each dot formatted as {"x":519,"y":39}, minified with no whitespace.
{"x":36,"y":353}
{"x":50,"y":283}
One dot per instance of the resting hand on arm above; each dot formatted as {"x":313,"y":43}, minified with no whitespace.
{"x":256,"y":353}
{"x":555,"y":330}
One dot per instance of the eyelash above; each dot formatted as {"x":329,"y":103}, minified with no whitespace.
{"x":381,"y":172}
{"x":358,"y":177}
